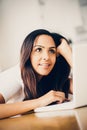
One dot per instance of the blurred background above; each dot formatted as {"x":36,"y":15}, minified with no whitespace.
{"x":19,"y":17}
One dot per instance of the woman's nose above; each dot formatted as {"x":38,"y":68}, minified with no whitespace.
{"x":45,"y":56}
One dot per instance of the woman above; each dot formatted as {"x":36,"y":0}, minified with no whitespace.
{"x":45,"y":61}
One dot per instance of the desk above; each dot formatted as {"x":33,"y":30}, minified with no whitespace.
{"x":58,"y":120}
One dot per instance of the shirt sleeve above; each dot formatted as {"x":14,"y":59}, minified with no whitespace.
{"x":11,"y":83}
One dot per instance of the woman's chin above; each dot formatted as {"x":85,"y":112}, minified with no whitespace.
{"x":44,"y":73}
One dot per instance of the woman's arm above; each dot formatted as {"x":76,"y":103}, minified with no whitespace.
{"x":2,"y":100}
{"x":71,"y":86}
{"x":12,"y":109}
{"x":65,"y":50}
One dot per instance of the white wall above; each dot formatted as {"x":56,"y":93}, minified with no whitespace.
{"x":62,"y":16}
{"x":19,"y":17}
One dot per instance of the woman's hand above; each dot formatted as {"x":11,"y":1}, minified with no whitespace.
{"x":50,"y":97}
{"x":65,"y":50}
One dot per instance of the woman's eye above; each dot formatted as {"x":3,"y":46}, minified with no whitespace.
{"x":38,"y":49}
{"x":52,"y":51}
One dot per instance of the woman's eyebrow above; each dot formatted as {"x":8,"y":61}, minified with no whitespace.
{"x":53,"y":47}
{"x":43,"y":46}
{"x":38,"y":46}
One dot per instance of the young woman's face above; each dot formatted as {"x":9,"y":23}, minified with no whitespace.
{"x":43,"y":55}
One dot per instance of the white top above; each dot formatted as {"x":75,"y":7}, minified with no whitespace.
{"x":11,"y":85}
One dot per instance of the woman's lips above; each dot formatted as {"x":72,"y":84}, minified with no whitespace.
{"x":45,"y":65}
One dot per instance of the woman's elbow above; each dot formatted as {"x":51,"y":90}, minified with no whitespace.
{"x":2,"y":100}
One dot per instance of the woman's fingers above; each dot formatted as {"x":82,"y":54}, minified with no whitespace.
{"x":51,"y":97}
{"x":60,"y":96}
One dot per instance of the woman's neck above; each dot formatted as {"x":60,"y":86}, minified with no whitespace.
{"x":38,"y":77}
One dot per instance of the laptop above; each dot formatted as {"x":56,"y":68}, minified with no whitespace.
{"x":79,"y":81}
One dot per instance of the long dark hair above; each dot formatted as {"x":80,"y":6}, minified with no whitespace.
{"x":28,"y":75}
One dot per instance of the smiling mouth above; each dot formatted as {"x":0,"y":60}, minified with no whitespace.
{"x":44,"y":65}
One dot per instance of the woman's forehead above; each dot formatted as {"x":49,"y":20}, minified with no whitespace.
{"x":44,"y":40}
